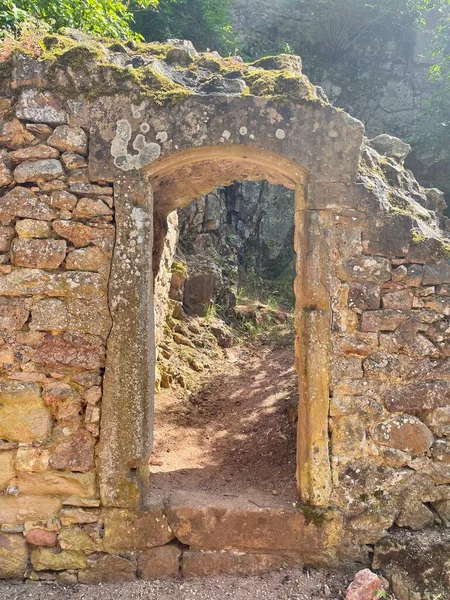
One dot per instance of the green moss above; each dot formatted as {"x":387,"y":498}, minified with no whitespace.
{"x":445,"y":248}
{"x":87,"y":75}
{"x":417,"y":237}
{"x":281,"y":84}
{"x":312,"y":515}
{"x":371,"y":170}
{"x":80,"y":57}
{"x":179,"y":267}
{"x":156,"y":49}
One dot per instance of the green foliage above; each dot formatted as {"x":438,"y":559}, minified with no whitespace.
{"x":110,"y":18}
{"x":205,"y":22}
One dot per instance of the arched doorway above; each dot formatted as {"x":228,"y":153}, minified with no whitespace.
{"x":173,"y":181}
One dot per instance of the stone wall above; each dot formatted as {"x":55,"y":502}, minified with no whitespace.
{"x":79,"y":203}
{"x":57,"y":235}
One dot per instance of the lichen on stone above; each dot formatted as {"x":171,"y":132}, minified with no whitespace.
{"x":281,"y":84}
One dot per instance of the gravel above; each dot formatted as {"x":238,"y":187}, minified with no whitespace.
{"x":283,"y":585}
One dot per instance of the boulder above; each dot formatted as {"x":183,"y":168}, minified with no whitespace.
{"x":390,"y":146}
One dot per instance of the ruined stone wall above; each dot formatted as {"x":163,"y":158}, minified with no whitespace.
{"x":372,"y":289}
{"x":57,"y":235}
{"x":389,"y":400}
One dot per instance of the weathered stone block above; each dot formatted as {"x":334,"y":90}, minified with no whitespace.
{"x":32,"y":153}
{"x":51,"y":314}
{"x":7,"y":470}
{"x":357,"y":344}
{"x":405,"y":432}
{"x":365,"y":296}
{"x":438,"y":421}
{"x":127,"y":530}
{"x":20,"y":509}
{"x":32,"y":459}
{"x":41,"y":537}
{"x":40,"y":107}
{"x":79,"y":234}
{"x":414,"y":276}
{"x":63,"y":200}
{"x":22,"y":202}
{"x":31,"y":228}
{"x":91,"y":258}
{"x":383,"y":320}
{"x":162,"y":562}
{"x":90,"y":189}
{"x":415,"y":563}
{"x":441,"y":450}
{"x":53,"y":483}
{"x":25,"y":422}
{"x":38,"y":170}
{"x":6,"y":235}
{"x":388,"y":145}
{"x":197,"y":563}
{"x":398,"y":300}
{"x":13,"y":134}
{"x":34,"y":282}
{"x":348,"y":438}
{"x":417,"y":397}
{"x":13,"y":313}
{"x":91,"y":207}
{"x":75,"y":453}
{"x":428,"y":251}
{"x":51,"y":559}
{"x":77,"y":516}
{"x":13,"y":556}
{"x":40,"y":254}
{"x":73,"y":162}
{"x":107,"y":569}
{"x":365,"y":586}
{"x":225,"y":526}
{"x":390,"y":237}
{"x":366,"y":269}
{"x":78,"y":538}
{"x":415,"y":515}
{"x":66,"y":138}
{"x":6,"y":176}
{"x":70,"y":350}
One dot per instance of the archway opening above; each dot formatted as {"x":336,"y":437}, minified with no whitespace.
{"x":230,"y":428}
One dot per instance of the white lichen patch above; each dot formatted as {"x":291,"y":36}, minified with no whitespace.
{"x":144,"y":127}
{"x":243,"y":130}
{"x":147,"y":152}
{"x":226,"y":134}
{"x":136,"y":110}
{"x":162,"y":136}
{"x":280,"y":134}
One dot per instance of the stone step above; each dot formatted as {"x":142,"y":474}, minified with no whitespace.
{"x":258,"y":525}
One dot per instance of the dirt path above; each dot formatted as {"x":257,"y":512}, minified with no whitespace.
{"x":284,"y":585}
{"x":234,"y":435}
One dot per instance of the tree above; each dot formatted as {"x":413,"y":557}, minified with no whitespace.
{"x":110,"y":18}
{"x":205,"y":22}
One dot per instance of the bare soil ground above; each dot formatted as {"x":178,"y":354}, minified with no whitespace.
{"x":282,"y":585}
{"x":232,"y":436}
